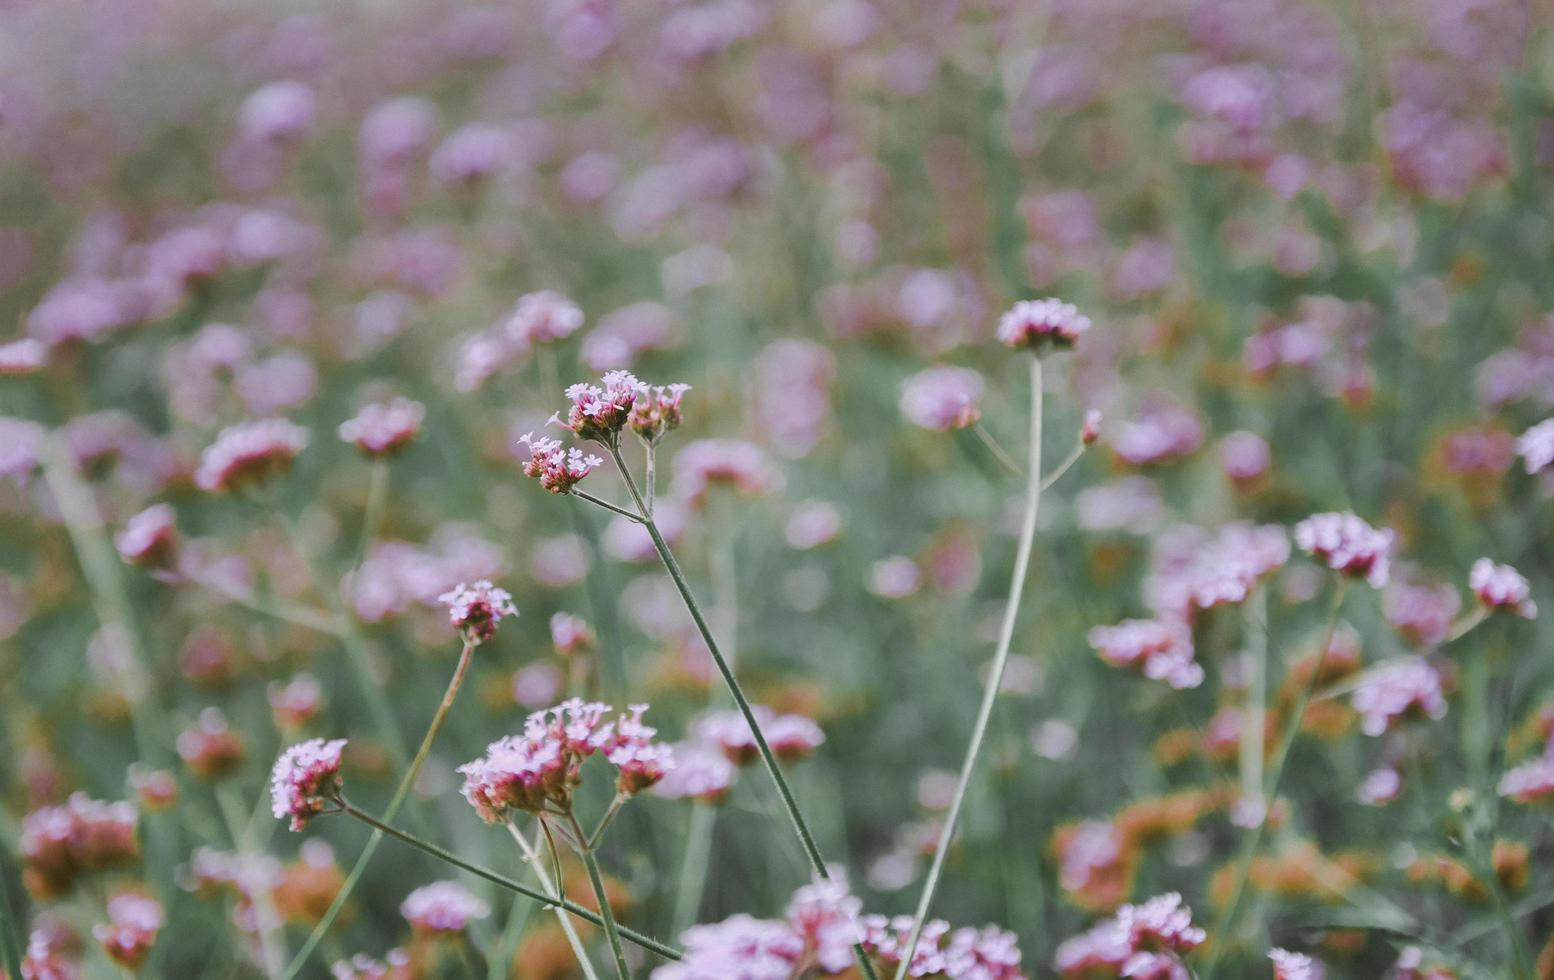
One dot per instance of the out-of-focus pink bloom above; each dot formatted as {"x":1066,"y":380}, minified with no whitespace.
{"x":305,"y":779}
{"x":1161,"y":649}
{"x":295,"y":703}
{"x":84,"y":310}
{"x":280,"y":112}
{"x":1501,"y":587}
{"x":248,"y":453}
{"x":542,"y":317}
{"x":276,"y":383}
{"x":1161,"y":434}
{"x":133,"y":923}
{"x":53,"y":951}
{"x":1392,"y":691}
{"x":1347,"y":545}
{"x":537,"y":684}
{"x":1192,"y":568}
{"x":150,"y":538}
{"x":942,"y":398}
{"x":1478,"y":452}
{"x":1380,"y":787}
{"x":896,"y":577}
{"x":22,"y":356}
{"x":1037,"y":323}
{"x":1530,"y":782}
{"x":60,"y":844}
{"x":706,"y":463}
{"x":397,"y":574}
{"x":395,"y":965}
{"x":570,"y":634}
{"x":209,"y":747}
{"x":471,"y":155}
{"x":561,"y":560}
{"x":443,"y":908}
{"x":1421,"y":613}
{"x":1245,"y":457}
{"x":1131,"y":504}
{"x":476,"y":610}
{"x":700,"y":773}
{"x":1295,"y":966}
{"x":628,"y":540}
{"x":623,"y":334}
{"x":1301,"y":344}
{"x":1093,"y":844}
{"x":557,"y":469}
{"x":813,"y":523}
{"x":825,"y":915}
{"x":395,"y":132}
{"x":588,"y":178}
{"x":790,"y":737}
{"x":989,"y":953}
{"x":384,"y":428}
{"x":1090,"y":428}
{"x":1146,"y":267}
{"x":792,"y":394}
{"x":738,"y":948}
{"x":1536,"y":446}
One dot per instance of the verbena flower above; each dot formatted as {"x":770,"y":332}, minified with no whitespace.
{"x":22,"y":356}
{"x":476,"y":610}
{"x":305,"y":780}
{"x":543,"y":317}
{"x":1348,"y":545}
{"x":706,"y":463}
{"x":942,"y":398}
{"x":60,"y":844}
{"x":570,"y":635}
{"x":1501,"y":587}
{"x":209,"y":747}
{"x":700,"y":773}
{"x":943,"y":951}
{"x":599,"y":412}
{"x":790,"y":737}
{"x":1038,"y":323}
{"x":1144,"y":941}
{"x":557,"y":469}
{"x":395,"y":965}
{"x":1161,"y":649}
{"x":1536,"y":446}
{"x":133,"y":923}
{"x":657,"y":410}
{"x":1194,"y":569}
{"x":1421,"y":613}
{"x":1530,"y":782}
{"x":249,"y":452}
{"x":150,"y":538}
{"x":1397,"y":689}
{"x":383,"y":429}
{"x":1295,"y":966}
{"x":442,"y":908}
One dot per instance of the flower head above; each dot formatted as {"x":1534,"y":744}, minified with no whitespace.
{"x":476,"y":610}
{"x":942,"y":398}
{"x":22,"y":356}
{"x":1348,"y":545}
{"x":1501,"y":587}
{"x":1536,"y":446}
{"x":1421,"y":613}
{"x":1036,"y":323}
{"x":790,"y":737}
{"x":700,"y":773}
{"x":570,"y":634}
{"x":395,"y":965}
{"x":1294,"y":966}
{"x":599,"y":412}
{"x":442,"y":908}
{"x":557,"y":469}
{"x":383,"y":429}
{"x":1530,"y":782}
{"x":1403,"y":687}
{"x":305,"y":778}
{"x":61,"y":843}
{"x":541,"y":317}
{"x":1162,"y":649}
{"x":133,"y":923}
{"x":150,"y":538}
{"x":248,"y":453}
{"x":706,"y":463}
{"x":657,"y":410}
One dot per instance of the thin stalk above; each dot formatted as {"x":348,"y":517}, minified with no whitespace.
{"x":1254,"y":838}
{"x":1253,"y":730}
{"x":284,"y":610}
{"x":547,"y":901}
{"x":605,"y":821}
{"x":400,"y":794}
{"x":692,"y":881}
{"x":768,"y":758}
{"x":596,"y":878}
{"x":1065,"y":466}
{"x":650,"y":478}
{"x":1004,"y":459}
{"x":377,"y":499}
{"x":995,"y":676}
{"x":555,"y":901}
{"x":605,"y":504}
{"x":12,"y":937}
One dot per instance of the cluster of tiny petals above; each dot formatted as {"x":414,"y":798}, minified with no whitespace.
{"x":1387,"y":694}
{"x":1421,"y":613}
{"x":989,"y":953}
{"x":542,"y":317}
{"x":1536,"y":446}
{"x":1530,"y":782}
{"x":657,"y":410}
{"x":442,"y":908}
{"x":599,"y":412}
{"x":1161,"y":648}
{"x":304,"y":780}
{"x":700,"y":773}
{"x":1034,"y":323}
{"x":476,"y":610}
{"x":1196,"y":569}
{"x":381,"y":429}
{"x":248,"y":452}
{"x":570,"y":635}
{"x":149,"y":538}
{"x":133,"y":923}
{"x":82,"y":835}
{"x":1295,"y":966}
{"x":789,"y":736}
{"x":631,"y":749}
{"x":1141,"y":941}
{"x":1348,"y":545}
{"x":395,"y":965}
{"x":1501,"y":587}
{"x":557,"y":469}
{"x":942,"y":398}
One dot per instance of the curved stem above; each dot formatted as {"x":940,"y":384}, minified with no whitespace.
{"x":1254,"y":838}
{"x":556,"y":901}
{"x":997,"y":450}
{"x":768,"y":758}
{"x":602,"y":896}
{"x":995,"y":676}
{"x":1065,"y":466}
{"x":400,"y":794}
{"x":585,"y":495}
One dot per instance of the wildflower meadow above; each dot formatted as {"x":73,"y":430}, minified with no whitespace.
{"x":777,"y":489}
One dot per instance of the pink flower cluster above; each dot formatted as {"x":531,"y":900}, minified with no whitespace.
{"x":1159,"y":435}
{"x":570,"y":635}
{"x":150,"y":538}
{"x":1141,"y":941}
{"x":942,"y":398}
{"x":395,"y":965}
{"x":1536,"y":446}
{"x":657,"y":411}
{"x":1193,"y":568}
{"x":700,"y":772}
{"x":442,"y":908}
{"x":599,"y":412}
{"x":1036,"y":323}
{"x":1501,"y":587}
{"x":133,"y":923}
{"x":1161,"y":648}
{"x":305,"y":778}
{"x":248,"y":452}
{"x":1295,"y":966}
{"x":1421,"y":613}
{"x":1530,"y":782}
{"x":536,"y":772}
{"x":476,"y":610}
{"x":1388,"y":693}
{"x":989,"y":953}
{"x":383,"y":429}
{"x":59,"y":844}
{"x":1348,"y":545}
{"x":543,"y":317}
{"x":704,"y":463}
{"x":790,"y":737}
{"x":557,"y":469}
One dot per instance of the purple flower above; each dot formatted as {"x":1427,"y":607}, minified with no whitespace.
{"x":248,"y":452}
{"x":942,"y":398}
{"x":1036,"y":323}
{"x":1348,"y":545}
{"x":1536,"y":446}
{"x":382,"y":429}
{"x":1501,"y":587}
{"x":305,"y":778}
{"x":476,"y":610}
{"x":442,"y":908}
{"x":1389,"y":692}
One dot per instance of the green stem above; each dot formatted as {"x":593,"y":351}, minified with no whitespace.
{"x":400,"y":794}
{"x":1254,"y":838}
{"x":605,"y":504}
{"x":582,"y":912}
{"x":693,"y":866}
{"x":596,"y":878}
{"x":1255,"y":718}
{"x":1004,"y":459}
{"x":555,"y":901}
{"x":12,"y":935}
{"x":995,"y":676}
{"x":605,"y":821}
{"x":377,"y":498}
{"x":768,"y":758}
{"x":1065,"y":466}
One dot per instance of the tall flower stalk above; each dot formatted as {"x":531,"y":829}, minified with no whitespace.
{"x":536,"y":861}
{"x":995,"y":677}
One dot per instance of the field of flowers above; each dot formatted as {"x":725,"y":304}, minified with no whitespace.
{"x":777,"y":489}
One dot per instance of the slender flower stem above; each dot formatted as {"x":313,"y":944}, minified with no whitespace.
{"x":272,"y":950}
{"x":1254,"y":838}
{"x":1022,"y":562}
{"x":555,"y":900}
{"x":605,"y":821}
{"x":596,"y":878}
{"x":400,"y":794}
{"x":547,"y":901}
{"x":12,"y":937}
{"x":650,"y":477}
{"x":1065,"y":466}
{"x":1255,"y":719}
{"x":768,"y":758}
{"x":372,"y":516}
{"x":605,"y":504}
{"x":993,"y":447}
